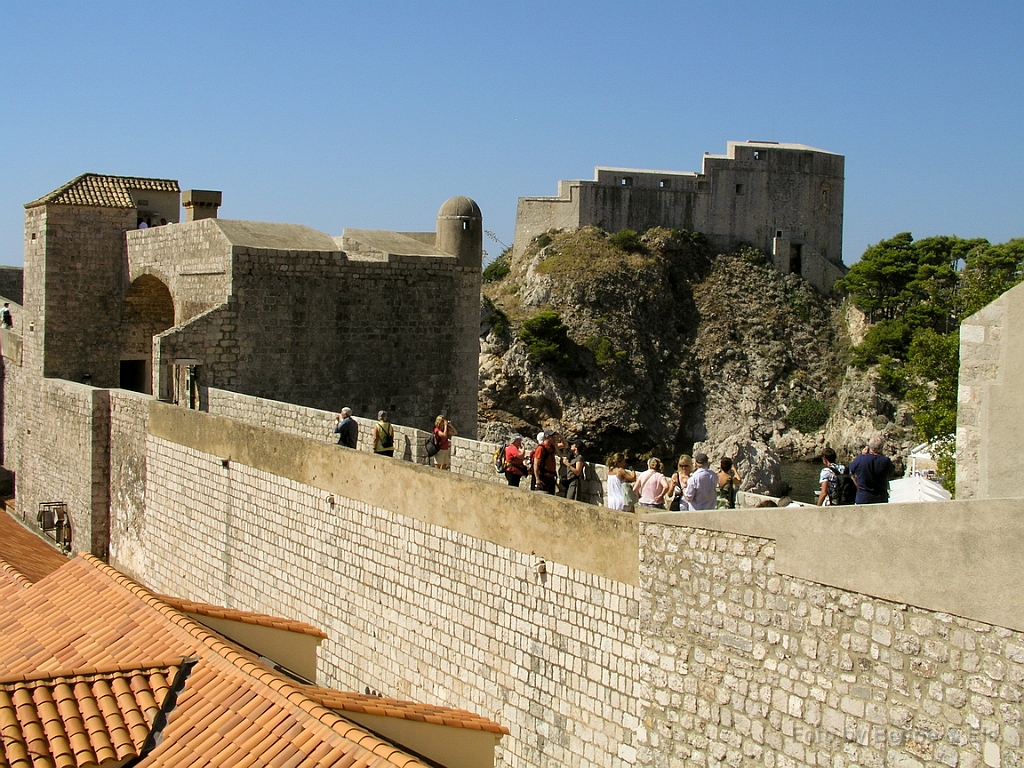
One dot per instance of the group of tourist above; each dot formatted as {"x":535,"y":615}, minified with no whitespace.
{"x":347,"y":430}
{"x":558,"y":467}
{"x":555,"y":466}
{"x":693,"y":486}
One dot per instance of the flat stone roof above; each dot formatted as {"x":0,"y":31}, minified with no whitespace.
{"x":281,"y":237}
{"x":386,"y":241}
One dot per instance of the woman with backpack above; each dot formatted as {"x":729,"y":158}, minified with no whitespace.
{"x":383,"y":435}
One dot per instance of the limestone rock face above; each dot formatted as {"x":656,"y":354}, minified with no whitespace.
{"x":661,"y":345}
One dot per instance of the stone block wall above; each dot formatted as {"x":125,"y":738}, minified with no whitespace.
{"x":11,"y":283}
{"x":413,"y":608}
{"x":311,"y":422}
{"x":56,"y":438}
{"x":129,"y":419}
{"x":990,"y":417}
{"x":470,"y":458}
{"x":744,"y":665}
{"x":74,"y":298}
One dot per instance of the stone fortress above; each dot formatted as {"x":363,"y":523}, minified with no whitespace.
{"x":786,"y":199}
{"x":870,"y":636}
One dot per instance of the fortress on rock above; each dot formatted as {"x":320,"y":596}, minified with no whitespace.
{"x":786,"y":199}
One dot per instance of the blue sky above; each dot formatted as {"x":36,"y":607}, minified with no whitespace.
{"x":370,"y":115}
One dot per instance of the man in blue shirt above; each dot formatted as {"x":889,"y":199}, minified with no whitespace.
{"x":871,"y":472}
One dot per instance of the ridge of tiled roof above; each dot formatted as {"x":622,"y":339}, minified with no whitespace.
{"x":94,"y":189}
{"x":13,"y":575}
{"x":81,"y":719}
{"x":246,"y":617}
{"x":405,"y":710}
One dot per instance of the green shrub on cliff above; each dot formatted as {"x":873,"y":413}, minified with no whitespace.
{"x":546,"y":338}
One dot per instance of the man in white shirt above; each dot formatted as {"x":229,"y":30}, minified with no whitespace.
{"x":702,"y":487}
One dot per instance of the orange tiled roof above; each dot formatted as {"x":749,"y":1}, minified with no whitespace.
{"x":81,"y":717}
{"x":232,"y":710}
{"x":94,"y":189}
{"x":246,"y":617}
{"x":30,"y":556}
{"x":405,"y":710}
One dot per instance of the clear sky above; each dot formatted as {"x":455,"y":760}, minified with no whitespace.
{"x":371,"y":114}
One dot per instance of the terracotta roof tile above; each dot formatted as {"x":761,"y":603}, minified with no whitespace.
{"x":26,"y":557}
{"x":247,"y":617}
{"x":343,"y":701}
{"x":111,"y":633}
{"x":71,"y":718}
{"x":94,"y":189}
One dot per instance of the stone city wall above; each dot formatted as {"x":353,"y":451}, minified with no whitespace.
{"x":990,"y":419}
{"x":744,"y":664}
{"x":470,"y":458}
{"x":11,"y":283}
{"x":862,"y":636}
{"x":427,"y":584}
{"x":56,"y":435}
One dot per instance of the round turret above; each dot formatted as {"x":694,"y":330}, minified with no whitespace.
{"x":460,"y":231}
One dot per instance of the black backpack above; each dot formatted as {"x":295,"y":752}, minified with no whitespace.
{"x":843,"y":491}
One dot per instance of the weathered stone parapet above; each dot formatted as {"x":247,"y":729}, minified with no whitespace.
{"x":745,"y":664}
{"x":990,"y":420}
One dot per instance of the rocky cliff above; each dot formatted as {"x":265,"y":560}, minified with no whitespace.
{"x":656,"y":345}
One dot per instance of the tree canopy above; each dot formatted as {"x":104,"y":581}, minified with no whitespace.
{"x":915,"y":294}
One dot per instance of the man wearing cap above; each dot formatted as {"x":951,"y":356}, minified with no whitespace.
{"x":702,"y":487}
{"x":515,"y":461}
{"x":545,"y":465}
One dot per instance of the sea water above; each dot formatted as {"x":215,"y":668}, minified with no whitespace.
{"x":803,"y":477}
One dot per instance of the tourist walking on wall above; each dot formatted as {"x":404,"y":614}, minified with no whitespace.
{"x":515,"y":461}
{"x":383,"y":435}
{"x":346,"y":429}
{"x":728,"y":484}
{"x":871,"y":472}
{"x":651,"y":485}
{"x":545,"y":466}
{"x":6,"y":319}
{"x":575,"y":469}
{"x":444,"y":431}
{"x":677,"y":484}
{"x":702,"y":487}
{"x":619,"y":478}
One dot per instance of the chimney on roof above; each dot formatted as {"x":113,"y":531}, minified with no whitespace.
{"x":200,"y":204}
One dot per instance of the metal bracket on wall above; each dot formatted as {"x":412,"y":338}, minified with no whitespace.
{"x":54,"y":521}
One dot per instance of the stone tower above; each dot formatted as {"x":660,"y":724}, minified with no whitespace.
{"x":460,"y":231}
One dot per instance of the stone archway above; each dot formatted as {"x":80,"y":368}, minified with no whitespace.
{"x":148,"y":310}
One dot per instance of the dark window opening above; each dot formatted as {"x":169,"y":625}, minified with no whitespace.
{"x":664,"y":183}
{"x":778,"y":233}
{"x":627,"y":181}
{"x":739,"y":189}
{"x":795,"y":259}
{"x":757,"y":155}
{"x":133,"y":375}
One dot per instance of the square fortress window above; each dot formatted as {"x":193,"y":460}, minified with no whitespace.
{"x":626,"y":181}
{"x":665,"y":183}
{"x":778,"y":233}
{"x":757,"y":155}
{"x":739,"y":189}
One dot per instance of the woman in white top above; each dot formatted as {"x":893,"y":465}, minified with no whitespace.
{"x":650,"y":487}
{"x":617,"y":476}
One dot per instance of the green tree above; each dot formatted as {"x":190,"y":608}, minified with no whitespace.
{"x":878,"y":283}
{"x":989,"y":271}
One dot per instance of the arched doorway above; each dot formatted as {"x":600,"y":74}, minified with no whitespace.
{"x":148,"y":310}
